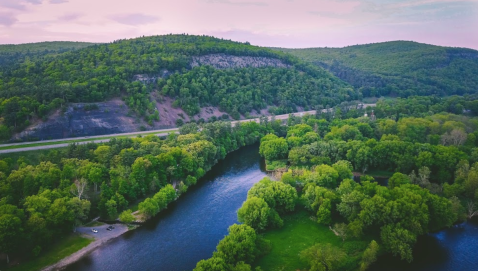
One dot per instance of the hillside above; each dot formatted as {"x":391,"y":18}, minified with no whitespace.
{"x":399,"y":68}
{"x":194,"y":71}
{"x":13,"y":54}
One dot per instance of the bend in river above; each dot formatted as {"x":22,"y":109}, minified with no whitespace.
{"x":189,"y":230}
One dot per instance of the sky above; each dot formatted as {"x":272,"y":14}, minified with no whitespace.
{"x":275,"y":23}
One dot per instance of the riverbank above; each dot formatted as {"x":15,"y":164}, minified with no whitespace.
{"x":101,"y":238}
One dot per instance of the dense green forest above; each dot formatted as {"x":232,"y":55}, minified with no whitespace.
{"x":399,"y":68}
{"x":103,"y":71}
{"x":433,"y":164}
{"x":41,"y":202}
{"x":16,"y":54}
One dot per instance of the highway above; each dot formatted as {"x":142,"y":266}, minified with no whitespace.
{"x":24,"y":146}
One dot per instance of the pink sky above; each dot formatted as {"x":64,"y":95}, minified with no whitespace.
{"x":280,"y":23}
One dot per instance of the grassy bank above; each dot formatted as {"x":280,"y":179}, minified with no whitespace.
{"x":300,"y":232}
{"x":58,"y":251}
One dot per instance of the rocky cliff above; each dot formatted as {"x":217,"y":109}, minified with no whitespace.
{"x":223,"y":61}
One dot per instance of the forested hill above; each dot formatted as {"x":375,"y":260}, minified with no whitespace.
{"x":195,"y":71}
{"x":399,"y":68}
{"x":11,"y":54}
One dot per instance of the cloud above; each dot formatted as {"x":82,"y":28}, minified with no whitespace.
{"x":35,"y":2}
{"x":58,"y":1}
{"x":7,"y":19}
{"x":238,"y":3}
{"x":12,"y":4}
{"x":70,"y":17}
{"x":134,"y":19}
{"x":20,"y":4}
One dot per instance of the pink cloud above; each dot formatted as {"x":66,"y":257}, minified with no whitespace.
{"x":279,"y":23}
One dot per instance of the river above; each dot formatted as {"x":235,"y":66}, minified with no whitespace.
{"x":190,"y":229}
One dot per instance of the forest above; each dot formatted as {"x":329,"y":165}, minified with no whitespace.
{"x":432,"y":158}
{"x":33,"y":89}
{"x":320,"y":167}
{"x":43,"y":201}
{"x":326,"y":169}
{"x":399,"y":68}
{"x":14,"y":55}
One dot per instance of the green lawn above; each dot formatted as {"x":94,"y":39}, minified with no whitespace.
{"x":58,"y":251}
{"x":300,"y":232}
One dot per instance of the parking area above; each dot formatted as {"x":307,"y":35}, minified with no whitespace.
{"x":103,"y":233}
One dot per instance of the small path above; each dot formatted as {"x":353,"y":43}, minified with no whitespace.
{"x":102,"y":237}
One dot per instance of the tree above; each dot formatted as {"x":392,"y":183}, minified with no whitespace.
{"x":239,"y":245}
{"x":10,"y":234}
{"x":148,"y":207}
{"x":324,"y":214}
{"x":323,"y":257}
{"x":212,"y":264}
{"x":344,"y":169}
{"x":111,"y":209}
{"x":278,"y":195}
{"x":471,"y":209}
{"x":126,"y":217}
{"x":398,"y":179}
{"x":340,"y":229}
{"x":102,"y":154}
{"x":79,"y":187}
{"x":254,"y":213}
{"x":398,"y":240}
{"x":80,"y":208}
{"x":274,"y":149}
{"x":369,"y":255}
{"x":349,"y":206}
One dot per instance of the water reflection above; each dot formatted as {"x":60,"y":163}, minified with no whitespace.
{"x":451,"y":249}
{"x":190,"y":228}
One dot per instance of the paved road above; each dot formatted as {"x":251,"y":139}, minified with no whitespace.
{"x":90,"y":137}
{"x":62,"y":145}
{"x":97,"y":139}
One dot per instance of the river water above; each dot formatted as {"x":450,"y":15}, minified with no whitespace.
{"x":190,"y":229}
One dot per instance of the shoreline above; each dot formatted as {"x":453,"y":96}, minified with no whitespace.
{"x":119,"y":230}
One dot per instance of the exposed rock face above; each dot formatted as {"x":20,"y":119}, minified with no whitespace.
{"x":223,"y":61}
{"x":108,"y":118}
{"x":147,"y":79}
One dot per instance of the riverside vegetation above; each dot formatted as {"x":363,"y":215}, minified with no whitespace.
{"x":317,"y":217}
{"x":42,"y":203}
{"x":427,"y":143}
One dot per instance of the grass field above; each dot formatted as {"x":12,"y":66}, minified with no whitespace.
{"x":301,"y":232}
{"x":58,"y":251}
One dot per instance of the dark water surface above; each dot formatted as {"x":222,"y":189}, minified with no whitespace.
{"x":190,"y":228}
{"x":448,"y":250}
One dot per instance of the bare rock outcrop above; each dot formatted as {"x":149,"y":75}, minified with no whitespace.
{"x":83,"y":119}
{"x":223,"y":61}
